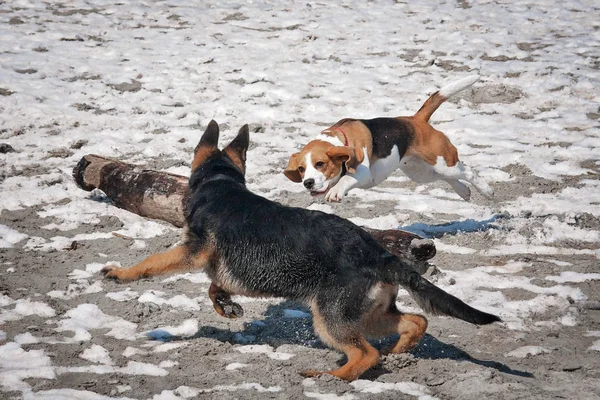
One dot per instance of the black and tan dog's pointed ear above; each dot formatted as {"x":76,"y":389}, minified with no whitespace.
{"x":291,"y":172}
{"x":347,"y":155}
{"x":207,"y":144}
{"x":238,"y":147}
{"x":210,"y":137}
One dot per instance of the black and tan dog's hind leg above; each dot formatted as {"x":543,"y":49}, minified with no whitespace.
{"x":385,"y":319}
{"x":334,"y":328}
{"x":177,"y":259}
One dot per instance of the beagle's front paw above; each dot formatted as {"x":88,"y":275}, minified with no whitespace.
{"x":335,"y":194}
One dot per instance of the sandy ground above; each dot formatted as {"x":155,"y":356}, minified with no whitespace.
{"x":454,"y":361}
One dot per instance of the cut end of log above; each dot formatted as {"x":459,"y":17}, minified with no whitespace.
{"x":79,"y":174}
{"x":403,"y":243}
{"x":422,"y":249}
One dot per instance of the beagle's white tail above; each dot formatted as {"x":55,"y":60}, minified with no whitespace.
{"x":436,"y":99}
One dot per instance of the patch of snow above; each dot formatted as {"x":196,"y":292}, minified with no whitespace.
{"x":86,"y":317}
{"x":9,"y":237}
{"x":329,"y":396}
{"x":452,"y":248}
{"x":187,"y":328}
{"x":18,"y":365}
{"x":194,"y":277}
{"x":526,"y":351}
{"x":234,"y":366}
{"x":24,"y":308}
{"x":264,"y":349}
{"x":179,"y":301}
{"x":97,"y":354}
{"x":71,"y":394}
{"x":410,"y":388}
{"x":575,"y":277}
{"x":123,"y":295}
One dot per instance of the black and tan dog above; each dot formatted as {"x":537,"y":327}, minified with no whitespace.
{"x":252,"y":246}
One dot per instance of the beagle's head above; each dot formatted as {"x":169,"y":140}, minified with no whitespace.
{"x":318,"y":165}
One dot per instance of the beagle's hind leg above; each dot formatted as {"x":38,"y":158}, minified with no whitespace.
{"x":460,"y":188}
{"x":223,"y":304}
{"x":336,"y":331}
{"x":173,"y":260}
{"x":465,"y":173}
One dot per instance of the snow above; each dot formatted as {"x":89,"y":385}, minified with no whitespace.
{"x":526,"y":351}
{"x":410,"y":388}
{"x":9,"y":237}
{"x":123,"y":295}
{"x":234,"y":366}
{"x":316,"y":71}
{"x":86,"y":317}
{"x":570,"y":276}
{"x":481,"y":288}
{"x":187,"y":328}
{"x":186,"y":392}
{"x":23,"y":308}
{"x":265,"y":349}
{"x":96,"y":354}
{"x":71,"y":394}
{"x":18,"y":364}
{"x":179,"y":301}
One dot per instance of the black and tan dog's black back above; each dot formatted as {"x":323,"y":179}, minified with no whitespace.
{"x":252,"y":246}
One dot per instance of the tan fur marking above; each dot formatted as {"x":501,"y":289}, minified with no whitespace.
{"x":429,"y":143}
{"x":361,"y":355}
{"x":201,"y":154}
{"x":173,"y":260}
{"x":318,"y":151}
{"x":411,"y":328}
{"x":237,"y":159}
{"x":291,"y":172}
{"x":428,"y":108}
{"x":359,"y":137}
{"x":380,"y":321}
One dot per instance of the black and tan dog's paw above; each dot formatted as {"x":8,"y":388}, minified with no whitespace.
{"x":229,"y":309}
{"x":115,"y":273}
{"x":310,"y":373}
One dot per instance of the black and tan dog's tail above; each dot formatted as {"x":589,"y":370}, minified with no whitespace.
{"x":434,"y":300}
{"x":436,"y":99}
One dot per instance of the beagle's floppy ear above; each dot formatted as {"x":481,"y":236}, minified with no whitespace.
{"x":346,"y":155}
{"x":207,"y":144}
{"x":292,"y":169}
{"x":236,"y":150}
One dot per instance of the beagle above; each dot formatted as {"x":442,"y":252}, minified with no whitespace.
{"x":364,"y":152}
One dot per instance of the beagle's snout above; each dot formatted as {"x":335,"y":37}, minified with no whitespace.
{"x":309,"y":183}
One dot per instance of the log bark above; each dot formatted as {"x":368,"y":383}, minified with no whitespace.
{"x":159,"y":195}
{"x":148,"y":193}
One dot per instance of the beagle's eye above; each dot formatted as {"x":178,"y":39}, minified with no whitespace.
{"x":301,"y":170}
{"x":319,"y":164}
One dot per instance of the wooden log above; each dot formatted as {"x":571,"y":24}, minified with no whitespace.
{"x":159,"y":195}
{"x":148,"y":193}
